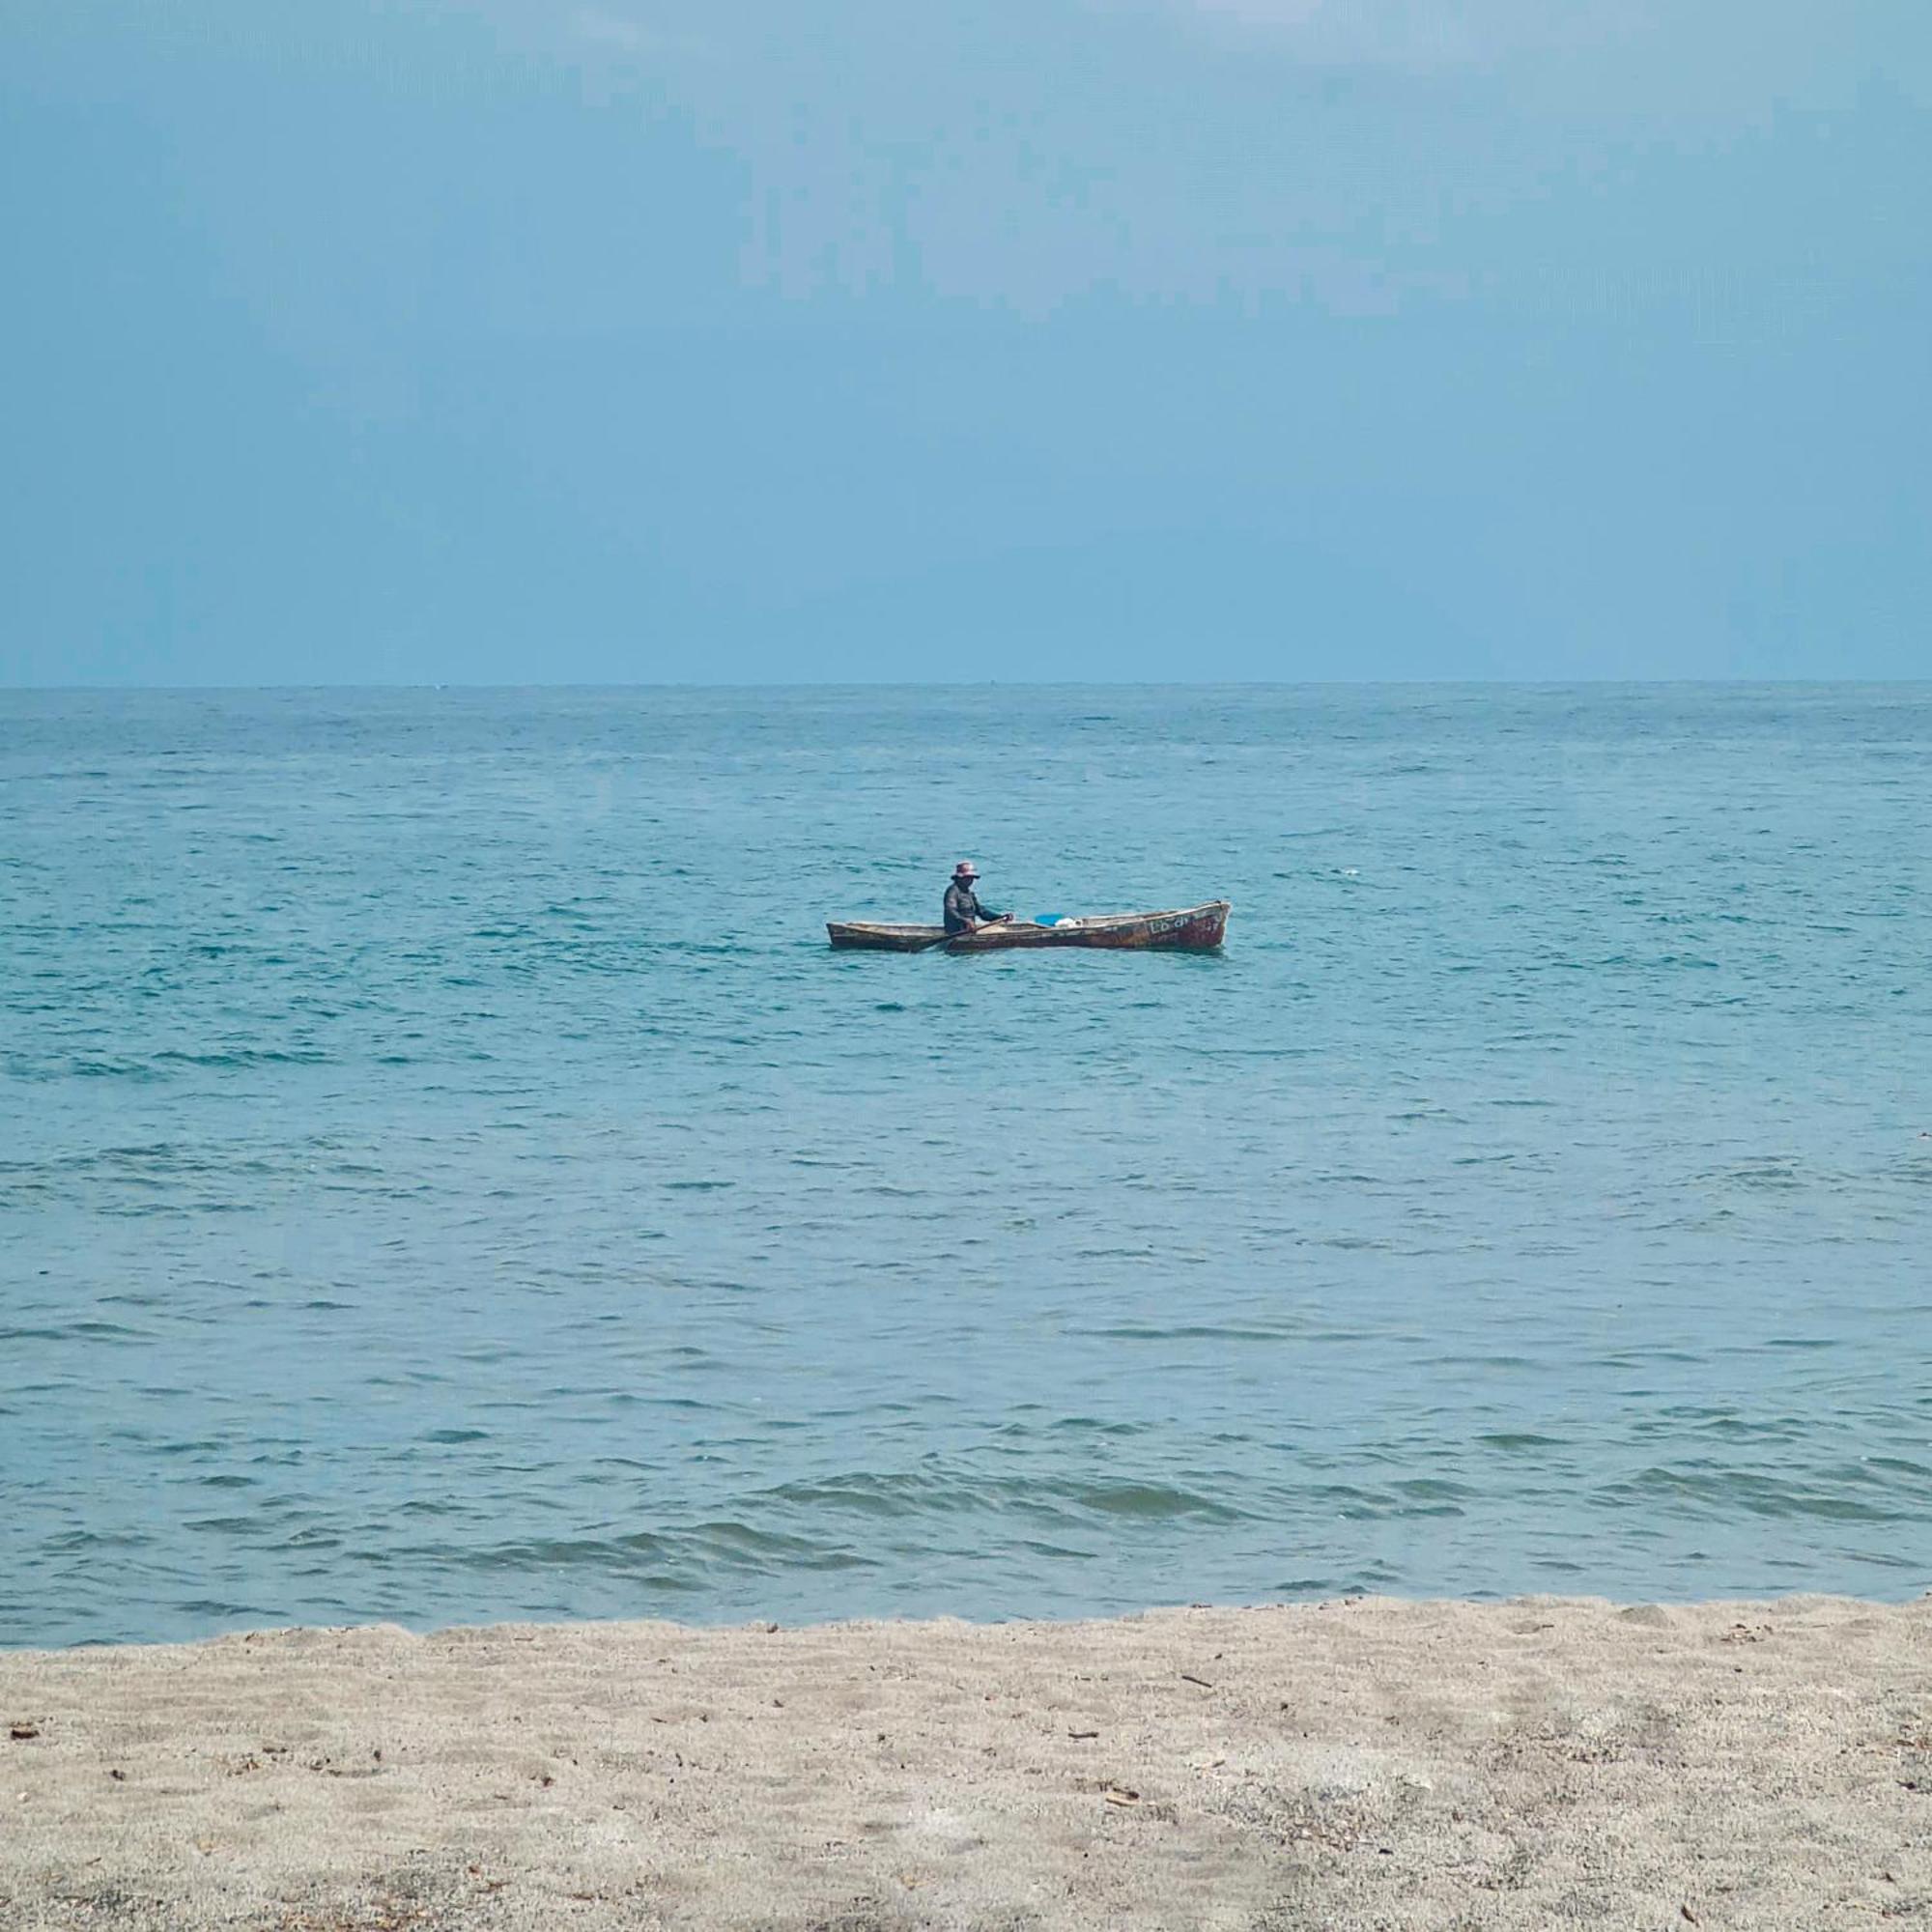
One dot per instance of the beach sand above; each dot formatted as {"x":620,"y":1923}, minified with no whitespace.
{"x":1366,"y":1763}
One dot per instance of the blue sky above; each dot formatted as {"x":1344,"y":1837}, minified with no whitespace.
{"x":518,"y":341}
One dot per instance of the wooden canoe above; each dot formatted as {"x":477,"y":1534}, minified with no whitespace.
{"x":1193,"y":930}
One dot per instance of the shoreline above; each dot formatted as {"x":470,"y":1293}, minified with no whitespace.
{"x":1365,"y":1762}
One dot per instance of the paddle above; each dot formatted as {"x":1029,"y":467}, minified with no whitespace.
{"x":947,"y":938}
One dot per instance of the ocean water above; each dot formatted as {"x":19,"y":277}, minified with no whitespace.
{"x":445,"y":1175}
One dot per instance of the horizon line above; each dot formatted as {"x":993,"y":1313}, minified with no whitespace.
{"x":105,"y":687}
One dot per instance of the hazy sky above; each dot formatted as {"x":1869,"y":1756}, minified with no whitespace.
{"x":514,"y":340}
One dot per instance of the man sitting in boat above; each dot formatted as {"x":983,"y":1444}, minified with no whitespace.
{"x":964,"y":910}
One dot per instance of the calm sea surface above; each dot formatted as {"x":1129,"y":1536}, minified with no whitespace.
{"x":445,"y":1175}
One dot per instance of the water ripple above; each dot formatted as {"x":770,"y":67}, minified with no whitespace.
{"x":443,"y":1174}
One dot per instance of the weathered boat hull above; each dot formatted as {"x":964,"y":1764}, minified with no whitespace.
{"x":858,"y":936}
{"x":1193,"y":930}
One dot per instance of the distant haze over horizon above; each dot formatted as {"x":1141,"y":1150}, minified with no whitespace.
{"x":489,"y":342}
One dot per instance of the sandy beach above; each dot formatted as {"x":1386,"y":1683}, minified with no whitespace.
{"x":1363,"y":1763}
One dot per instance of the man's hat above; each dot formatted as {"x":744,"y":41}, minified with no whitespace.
{"x":965,"y":869}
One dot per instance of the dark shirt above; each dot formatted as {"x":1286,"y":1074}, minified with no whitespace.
{"x":964,"y":910}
